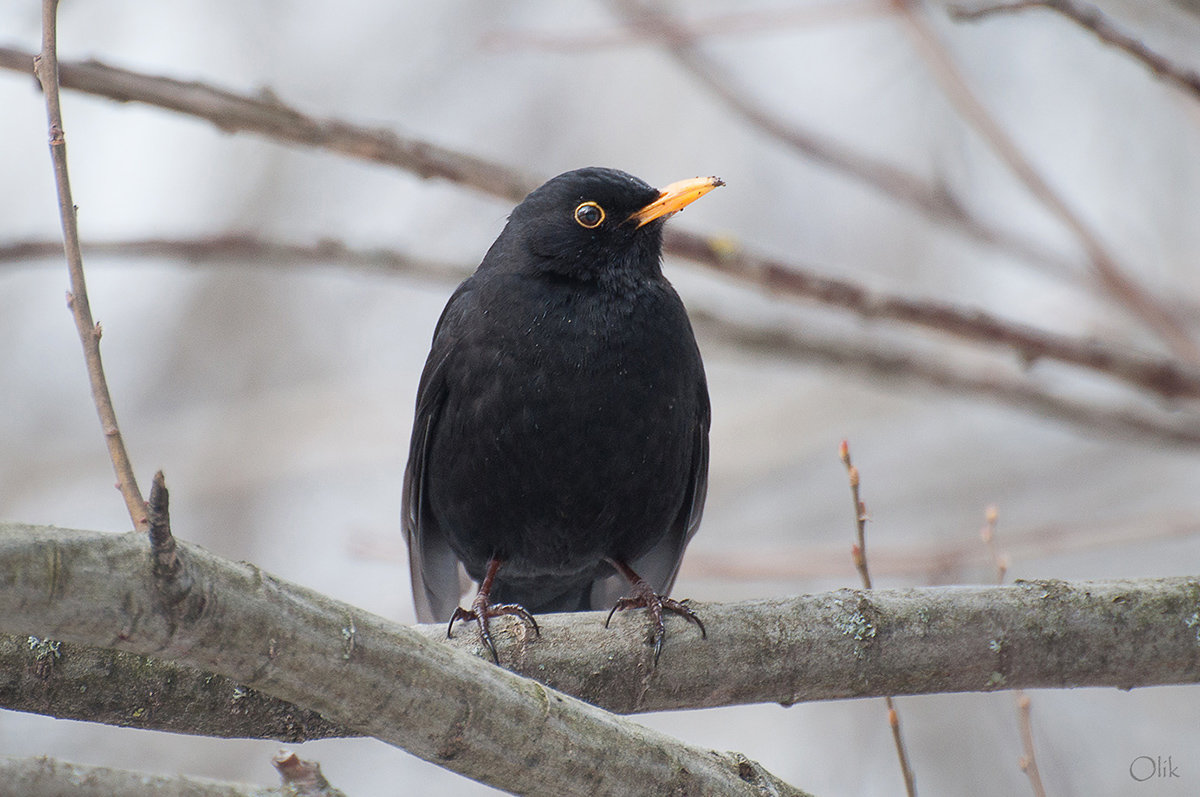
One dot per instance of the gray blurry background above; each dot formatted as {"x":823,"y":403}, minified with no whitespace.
{"x":278,"y":400}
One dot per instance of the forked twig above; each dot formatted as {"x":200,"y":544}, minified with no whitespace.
{"x":46,"y":67}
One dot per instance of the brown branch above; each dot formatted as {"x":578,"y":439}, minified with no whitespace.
{"x":270,"y":117}
{"x":1092,"y":19}
{"x":302,"y":778}
{"x":1166,"y":376}
{"x":877,"y":362}
{"x":846,"y":643}
{"x":859,"y":551}
{"x":46,"y":69}
{"x":394,"y":683}
{"x":1108,"y":271}
{"x":720,"y":25}
{"x":906,"y":188}
{"x":1023,"y":703}
{"x":267,"y":116}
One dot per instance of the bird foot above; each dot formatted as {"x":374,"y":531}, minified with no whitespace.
{"x":482,"y":611}
{"x":644,"y":597}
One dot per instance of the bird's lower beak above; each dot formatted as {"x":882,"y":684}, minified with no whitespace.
{"x":675,"y":197}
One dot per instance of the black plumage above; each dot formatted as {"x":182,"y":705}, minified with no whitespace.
{"x":561,"y":432}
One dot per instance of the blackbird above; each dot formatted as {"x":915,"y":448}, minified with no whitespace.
{"x":560,"y":444}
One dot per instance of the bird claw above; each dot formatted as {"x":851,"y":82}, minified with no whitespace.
{"x":646,"y":598}
{"x":482,"y":612}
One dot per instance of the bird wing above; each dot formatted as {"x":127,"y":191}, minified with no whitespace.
{"x":432,"y":563}
{"x":660,"y":565}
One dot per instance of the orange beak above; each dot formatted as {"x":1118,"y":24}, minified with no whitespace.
{"x":675,"y":197}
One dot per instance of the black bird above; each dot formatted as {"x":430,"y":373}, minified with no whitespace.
{"x":561,"y":435}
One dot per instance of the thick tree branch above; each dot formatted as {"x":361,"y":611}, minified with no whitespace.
{"x":1168,"y":376}
{"x":377,"y":677}
{"x":83,"y":682}
{"x":48,"y":777}
{"x":842,"y":644}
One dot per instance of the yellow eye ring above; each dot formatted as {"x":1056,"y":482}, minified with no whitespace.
{"x":589,"y":215}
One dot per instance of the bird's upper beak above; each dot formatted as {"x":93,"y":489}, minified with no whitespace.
{"x":675,"y":197}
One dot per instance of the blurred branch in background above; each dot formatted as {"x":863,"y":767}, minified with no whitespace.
{"x":1170,"y":378}
{"x":880,"y":359}
{"x":1092,"y":19}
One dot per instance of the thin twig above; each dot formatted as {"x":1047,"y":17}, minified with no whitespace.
{"x":883,"y":361}
{"x":1093,"y":19}
{"x":933,"y":200}
{"x":1110,"y":274}
{"x":742,"y":22}
{"x":302,"y":778}
{"x":229,"y":111}
{"x":46,"y":68}
{"x":1172,"y":377}
{"x":1028,"y":761}
{"x":859,"y":552}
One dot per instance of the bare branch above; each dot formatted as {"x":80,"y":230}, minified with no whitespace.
{"x":1110,"y":274}
{"x":1169,"y":377}
{"x":269,"y":117}
{"x":913,"y":641}
{"x":48,"y":777}
{"x":932,"y":200}
{"x":230,"y":111}
{"x":46,"y":68}
{"x":1091,"y":18}
{"x":446,"y":707}
{"x":878,"y":362}
{"x":859,"y":552}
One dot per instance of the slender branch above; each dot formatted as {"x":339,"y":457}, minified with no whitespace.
{"x":859,"y":552}
{"x":1171,"y":377}
{"x":1092,"y":19}
{"x":393,"y":683}
{"x":904,"y":187}
{"x":742,"y":22}
{"x":877,"y":362}
{"x":1028,"y":761}
{"x":46,"y":68}
{"x":267,"y":116}
{"x":270,"y":117}
{"x":280,"y":639}
{"x":1109,"y":272}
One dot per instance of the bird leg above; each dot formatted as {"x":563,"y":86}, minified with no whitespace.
{"x":645,"y":597}
{"x":482,"y":610}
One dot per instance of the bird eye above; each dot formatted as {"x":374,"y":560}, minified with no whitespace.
{"x":589,"y":215}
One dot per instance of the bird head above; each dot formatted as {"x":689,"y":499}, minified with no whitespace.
{"x":591,"y":223}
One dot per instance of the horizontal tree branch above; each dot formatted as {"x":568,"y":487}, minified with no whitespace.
{"x":41,"y":776}
{"x":379,"y":678}
{"x":879,"y":362}
{"x":270,"y":117}
{"x":841,"y":644}
{"x":47,"y":777}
